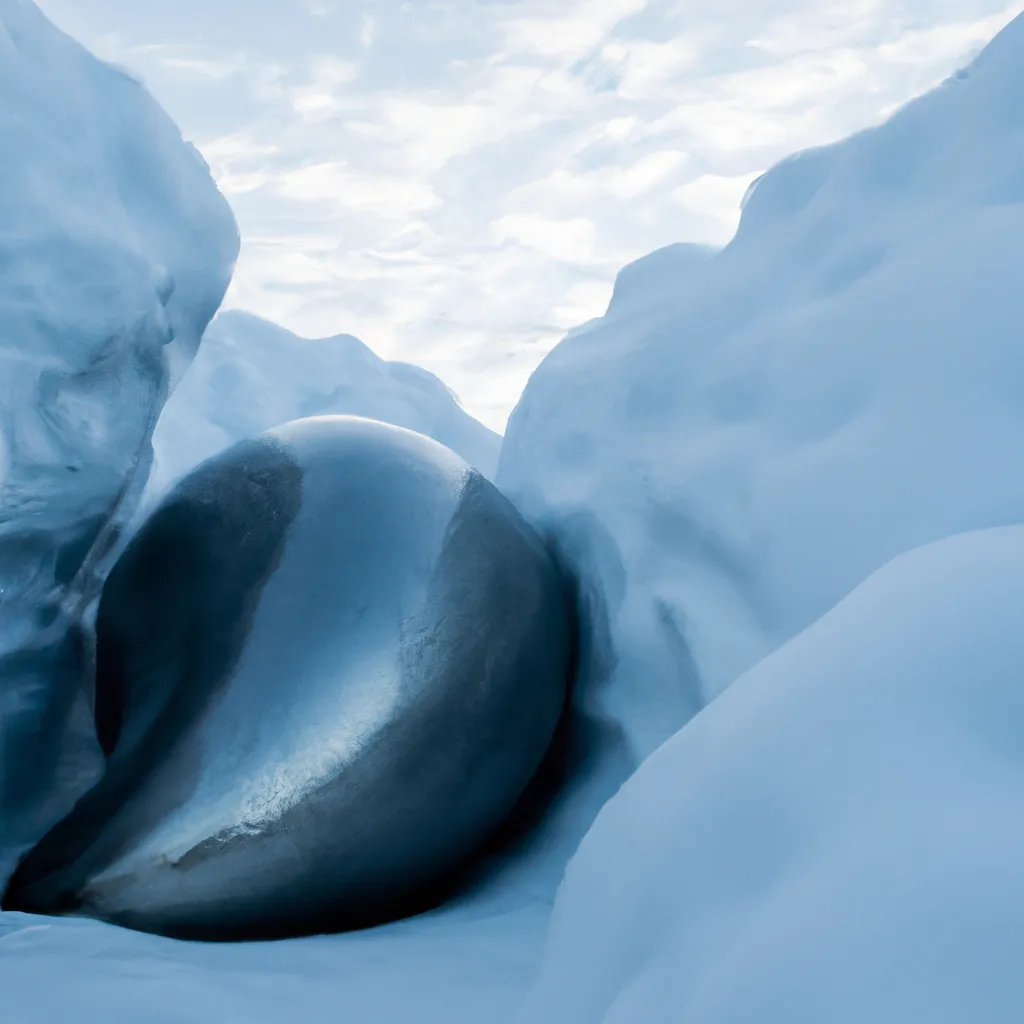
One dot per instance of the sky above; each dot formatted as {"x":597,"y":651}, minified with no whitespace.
{"x":457,"y":182}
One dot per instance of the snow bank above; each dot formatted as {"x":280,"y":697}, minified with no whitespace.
{"x":742,"y":439}
{"x":251,"y":375}
{"x":837,"y":838}
{"x":115,"y":251}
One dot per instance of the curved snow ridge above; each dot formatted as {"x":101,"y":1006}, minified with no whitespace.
{"x":957,"y":145}
{"x":115,"y":250}
{"x":649,"y":277}
{"x":251,"y":375}
{"x":760,"y":430}
{"x":836,"y":838}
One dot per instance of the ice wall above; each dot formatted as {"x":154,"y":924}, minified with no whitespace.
{"x":115,"y":250}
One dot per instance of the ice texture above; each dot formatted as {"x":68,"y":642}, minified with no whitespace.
{"x":251,"y":375}
{"x":115,"y":251}
{"x":328,"y":666}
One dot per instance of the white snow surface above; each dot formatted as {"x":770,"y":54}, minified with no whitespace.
{"x":251,"y":375}
{"x":462,"y":966}
{"x":836,"y":838}
{"x":115,"y":250}
{"x":744,"y":438}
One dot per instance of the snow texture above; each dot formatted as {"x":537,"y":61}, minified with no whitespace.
{"x":836,"y":838}
{"x":460,"y":966}
{"x":251,"y":375}
{"x":115,"y":251}
{"x":750,"y":435}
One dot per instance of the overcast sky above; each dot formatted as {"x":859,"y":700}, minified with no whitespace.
{"x":458,"y":181}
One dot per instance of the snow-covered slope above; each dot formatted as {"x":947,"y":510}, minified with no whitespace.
{"x":752,"y":434}
{"x":836,"y":838}
{"x":115,"y":251}
{"x":251,"y":375}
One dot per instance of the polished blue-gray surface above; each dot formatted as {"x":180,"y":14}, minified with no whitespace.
{"x":329,"y":664}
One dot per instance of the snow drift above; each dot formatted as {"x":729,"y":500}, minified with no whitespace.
{"x":750,"y":435}
{"x":251,"y":375}
{"x":115,"y":251}
{"x":836,"y":838}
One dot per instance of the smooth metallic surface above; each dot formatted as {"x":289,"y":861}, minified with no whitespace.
{"x":329,"y":664}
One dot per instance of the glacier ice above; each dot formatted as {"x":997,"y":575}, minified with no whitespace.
{"x":328,"y":666}
{"x":251,"y":375}
{"x":115,"y":251}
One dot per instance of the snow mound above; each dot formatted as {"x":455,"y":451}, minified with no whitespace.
{"x":750,"y":435}
{"x":115,"y":250}
{"x":836,"y":838}
{"x":251,"y":375}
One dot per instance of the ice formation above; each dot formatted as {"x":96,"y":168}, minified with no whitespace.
{"x":251,"y":375}
{"x":115,"y":250}
{"x":328,"y":666}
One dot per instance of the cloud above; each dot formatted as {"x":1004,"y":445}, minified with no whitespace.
{"x":216,"y":69}
{"x":337,"y":185}
{"x":457,"y":182}
{"x":323,"y":96}
{"x":366,"y":31}
{"x":571,"y":34}
{"x":568,"y":241}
